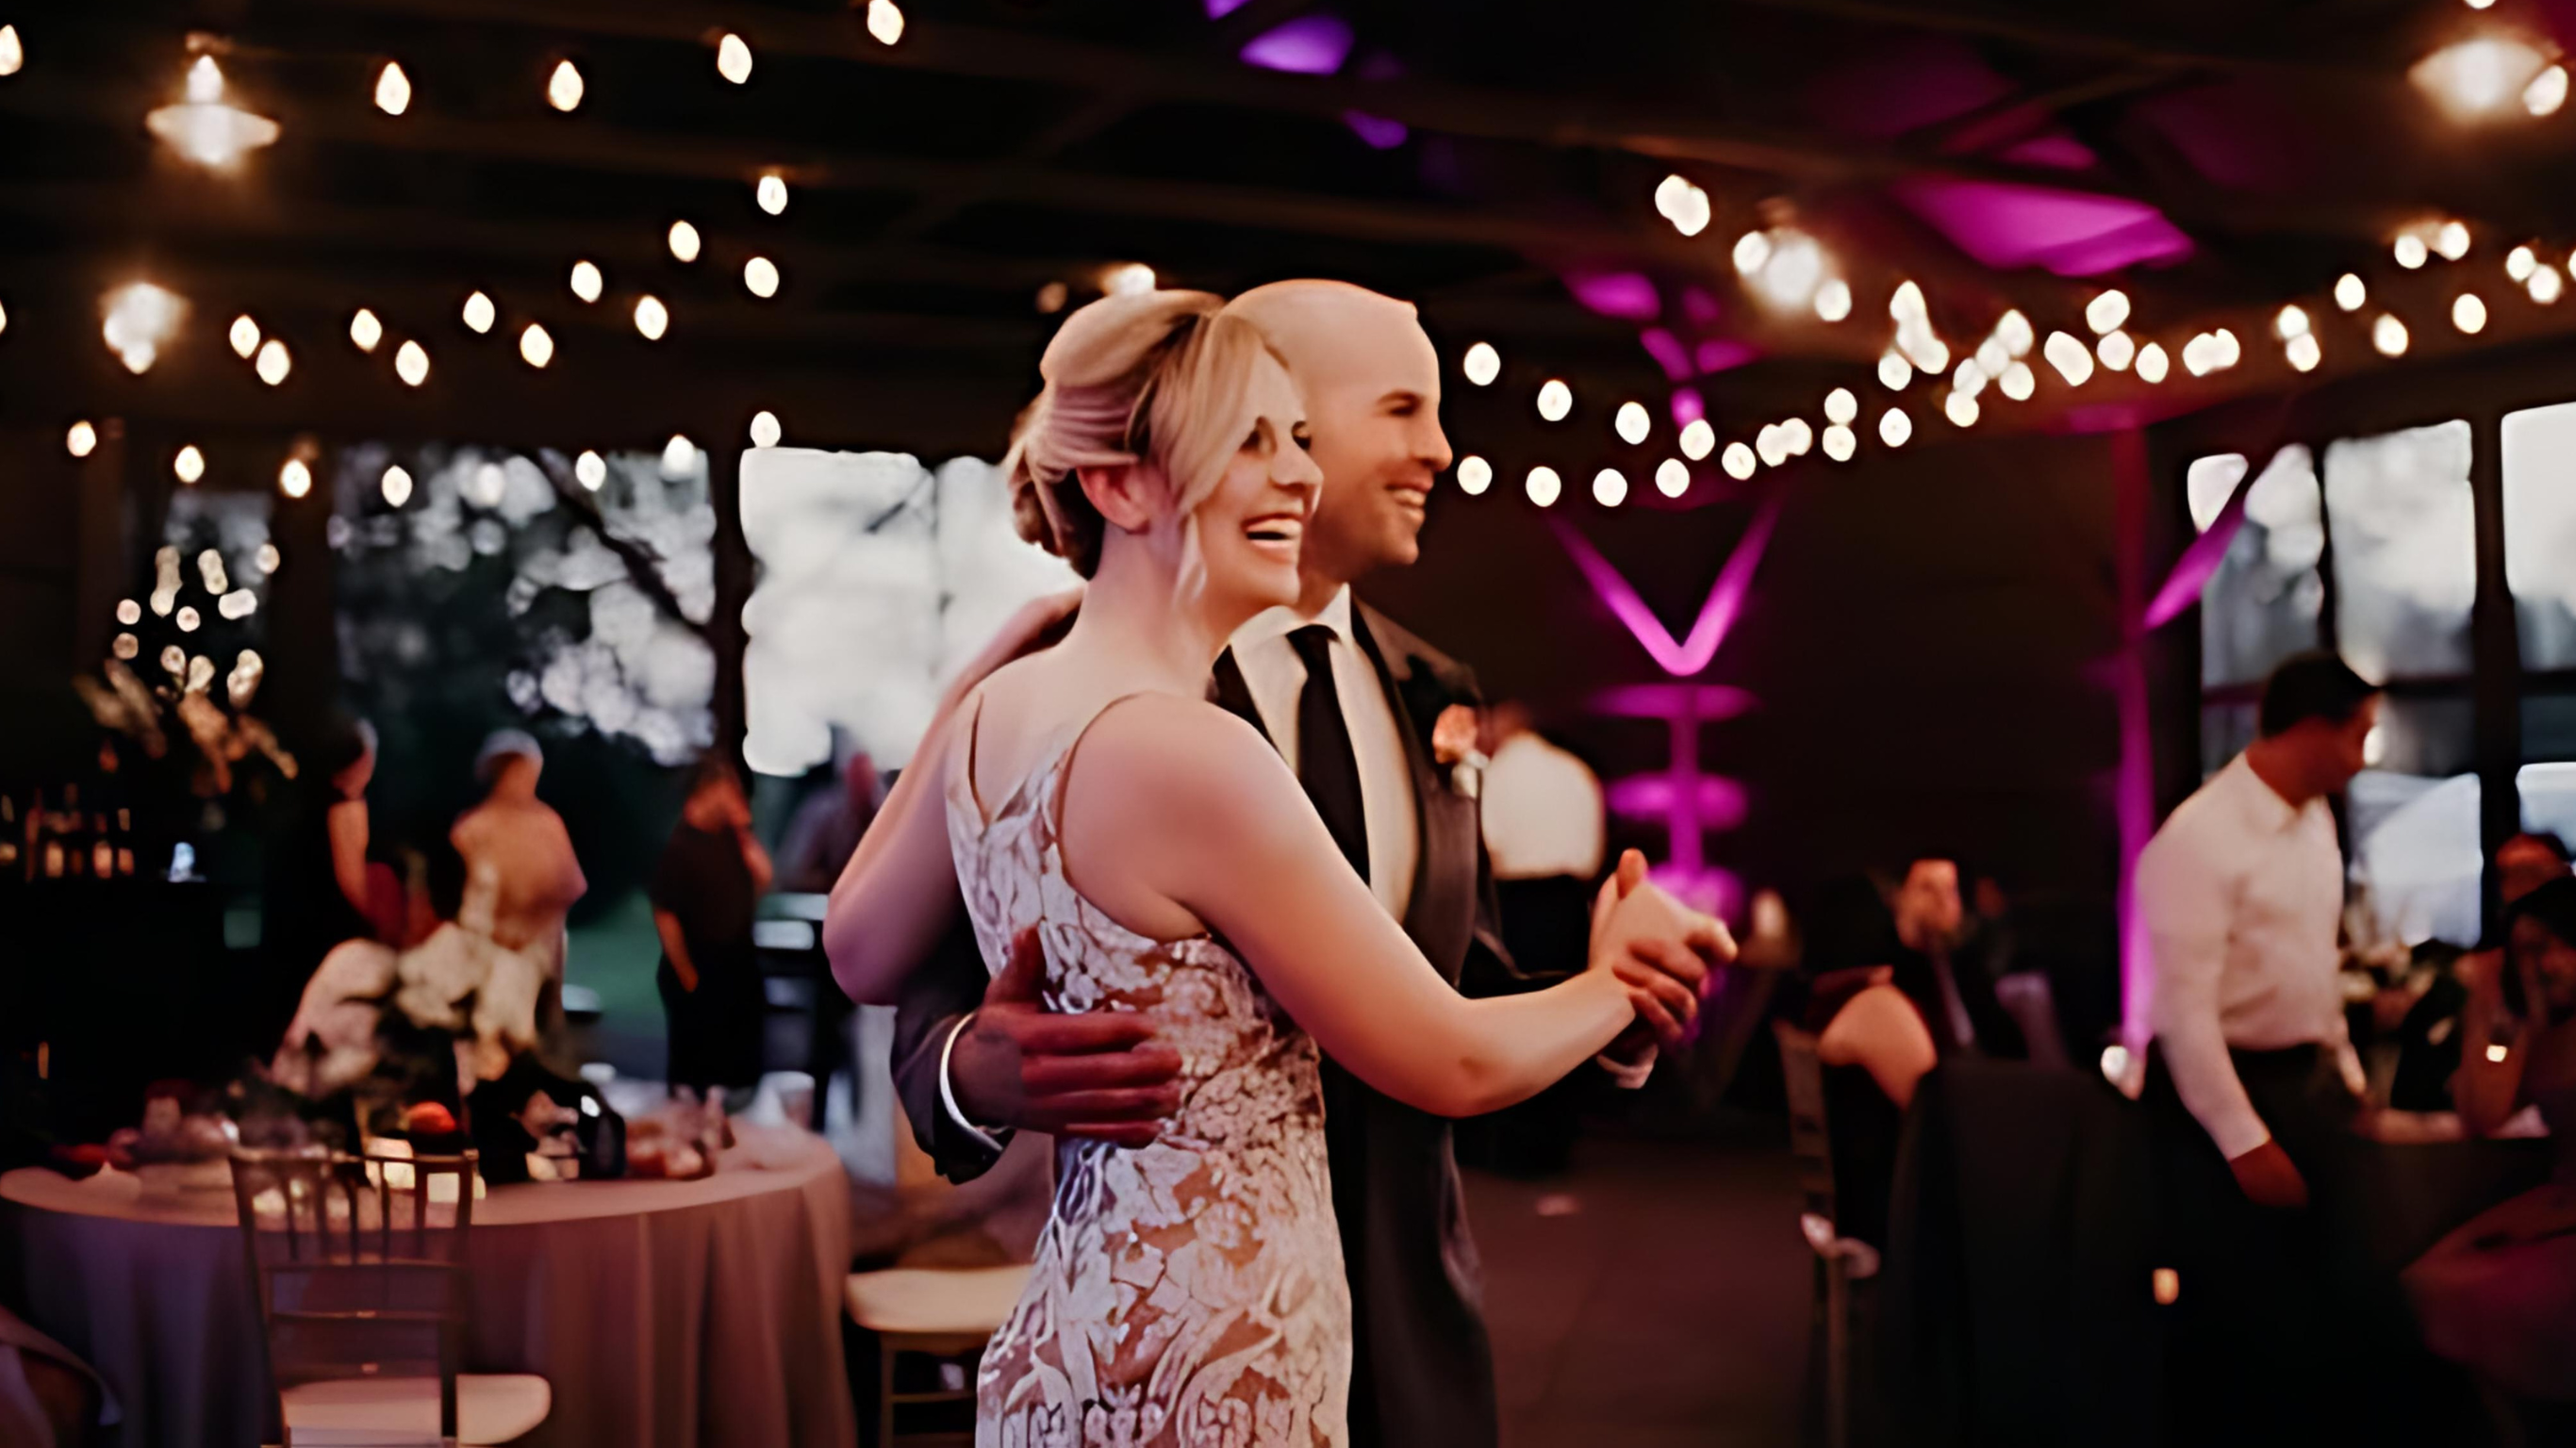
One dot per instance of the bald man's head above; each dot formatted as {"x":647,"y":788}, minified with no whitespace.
{"x":1372,"y":387}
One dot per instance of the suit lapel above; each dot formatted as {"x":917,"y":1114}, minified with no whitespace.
{"x":1442,"y":915}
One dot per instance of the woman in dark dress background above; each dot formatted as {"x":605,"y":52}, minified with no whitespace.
{"x":315,"y":892}
{"x":711,"y":875}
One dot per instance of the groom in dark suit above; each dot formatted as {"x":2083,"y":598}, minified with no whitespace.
{"x":1380,"y":727}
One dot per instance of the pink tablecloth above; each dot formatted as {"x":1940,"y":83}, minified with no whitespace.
{"x":699,"y":1314}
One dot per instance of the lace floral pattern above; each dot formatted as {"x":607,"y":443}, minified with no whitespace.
{"x":1190,"y":1293}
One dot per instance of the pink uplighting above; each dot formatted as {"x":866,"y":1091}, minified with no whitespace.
{"x":2006,"y":225}
{"x":1628,"y":296}
{"x":1668,"y":352}
{"x":1723,"y":354}
{"x":1308,"y":45}
{"x":1688,"y":406}
{"x":1718,"y":804}
{"x":1690,"y":803}
{"x":1377,"y":131}
{"x":1684,"y":657}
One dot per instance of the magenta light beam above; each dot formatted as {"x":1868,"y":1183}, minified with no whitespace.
{"x":1725,"y":597}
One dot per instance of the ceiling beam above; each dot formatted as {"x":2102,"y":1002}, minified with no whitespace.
{"x":2024,"y":28}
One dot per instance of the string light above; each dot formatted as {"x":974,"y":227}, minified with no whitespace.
{"x":396,"y":486}
{"x":210,"y":567}
{"x":1840,"y":442}
{"x":294,"y":479}
{"x":2388,"y":335}
{"x":188,"y":620}
{"x":128,"y":612}
{"x":1962,"y":409}
{"x":1683,"y":204}
{"x":126,"y":646}
{"x":563,"y":88}
{"x":2410,"y":251}
{"x":679,"y":456}
{"x":1544,"y":486}
{"x":885,"y":21}
{"x":2547,"y":92}
{"x":268,"y":558}
{"x":1475,"y":475}
{"x":1834,"y":300}
{"x":2106,"y":312}
{"x":760,"y":277}
{"x":1894,"y":372}
{"x":1770,"y":445}
{"x":2153,"y":365}
{"x":2304,"y":352}
{"x":733,"y":58}
{"x":590,"y":470}
{"x":480,"y":314}
{"x":1797,"y":436}
{"x":684,"y":241}
{"x":393,"y":90}
{"x":273,"y":363}
{"x":12,"y":54}
{"x":2116,"y":349}
{"x":2291,"y":321}
{"x":205,"y":129}
{"x":81,"y":440}
{"x":240,"y":603}
{"x":1752,"y":252}
{"x":140,"y":318}
{"x":651,"y":318}
{"x":1555,"y":400}
{"x":244,"y":336}
{"x":1609,"y":487}
{"x":535,"y":346}
{"x":2477,"y":78}
{"x":2071,"y":358}
{"x":587,"y":283}
{"x":2018,"y":381}
{"x":2015,"y":332}
{"x":765,"y":431}
{"x":1738,"y":461}
{"x":1894,"y":427}
{"x":1991,"y":357}
{"x":1970,"y":378}
{"x":189,"y":465}
{"x":1632,"y":423}
{"x":2349,"y":292}
{"x":411,"y":364}
{"x":2452,"y":241}
{"x":365,"y":331}
{"x":1051,"y":298}
{"x":2546,"y":285}
{"x":1672,"y":477}
{"x":1841,"y":406}
{"x":485,"y":486}
{"x":1698,"y":439}
{"x":1482,"y":364}
{"x":2520,"y":263}
{"x":2469,"y":313}
{"x":771,"y":192}
{"x":1129,"y":279}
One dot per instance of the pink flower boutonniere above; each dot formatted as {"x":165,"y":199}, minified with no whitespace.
{"x":1453,"y":747}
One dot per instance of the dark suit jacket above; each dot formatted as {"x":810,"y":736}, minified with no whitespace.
{"x":1422,"y":1366}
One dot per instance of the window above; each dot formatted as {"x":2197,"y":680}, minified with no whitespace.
{"x":2264,"y":602}
{"x":2405,"y":551}
{"x":2540,"y":532}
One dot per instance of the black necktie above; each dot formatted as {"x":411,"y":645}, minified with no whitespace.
{"x":1326,"y":763}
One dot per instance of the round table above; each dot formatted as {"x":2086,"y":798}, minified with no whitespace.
{"x":699,"y":1314}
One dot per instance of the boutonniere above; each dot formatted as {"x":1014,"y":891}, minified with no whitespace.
{"x":1453,"y":747}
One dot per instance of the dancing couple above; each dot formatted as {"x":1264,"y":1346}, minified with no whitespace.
{"x":1198,"y":888}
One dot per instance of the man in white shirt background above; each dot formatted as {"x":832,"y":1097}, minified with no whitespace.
{"x":2252,"y":1082}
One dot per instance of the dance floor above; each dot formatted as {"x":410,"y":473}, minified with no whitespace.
{"x":1668,"y":1307}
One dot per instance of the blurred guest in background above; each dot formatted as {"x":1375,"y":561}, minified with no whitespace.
{"x":827,"y":827}
{"x":1953,"y":993}
{"x":2427,"y":1012}
{"x":515,"y":845}
{"x":2252,"y":1080}
{"x":2499,"y":1294}
{"x":316,"y":891}
{"x":1871,"y":1041}
{"x":712,"y":873}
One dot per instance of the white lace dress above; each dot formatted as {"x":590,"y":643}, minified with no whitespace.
{"x":1190,"y":1293}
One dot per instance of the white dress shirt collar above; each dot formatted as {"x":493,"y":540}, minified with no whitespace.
{"x":1279,"y":622}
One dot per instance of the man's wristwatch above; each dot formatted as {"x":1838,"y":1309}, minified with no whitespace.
{"x":992,"y":1139}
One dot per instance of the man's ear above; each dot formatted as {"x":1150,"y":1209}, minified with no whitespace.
{"x":1120,"y":492}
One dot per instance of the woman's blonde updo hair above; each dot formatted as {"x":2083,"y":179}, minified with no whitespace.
{"x":1160,"y":378}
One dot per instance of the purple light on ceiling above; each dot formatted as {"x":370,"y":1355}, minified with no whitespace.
{"x":1668,"y":352}
{"x":2006,"y":226}
{"x":1628,"y":296}
{"x":1719,"y":354}
{"x":1219,"y":9}
{"x":1683,"y":657}
{"x":1890,"y":92}
{"x":1700,"y":307}
{"x":1688,"y":406}
{"x":1308,"y":45}
{"x":2056,"y":150}
{"x":1377,"y":131}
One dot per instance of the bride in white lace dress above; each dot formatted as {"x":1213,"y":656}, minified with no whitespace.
{"x":1147,"y":851}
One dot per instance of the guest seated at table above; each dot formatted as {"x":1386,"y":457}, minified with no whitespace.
{"x":712,"y":874}
{"x":2425,"y":1015}
{"x":2499,"y":1294}
{"x":1871,"y":1042}
{"x":518,"y":844}
{"x":1950,"y":988}
{"x":826,"y":829}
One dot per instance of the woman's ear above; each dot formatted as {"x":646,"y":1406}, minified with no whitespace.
{"x":1122,"y":492}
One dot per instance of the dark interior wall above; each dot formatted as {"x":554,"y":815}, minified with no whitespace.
{"x":1929,"y":638}
{"x":39,"y":519}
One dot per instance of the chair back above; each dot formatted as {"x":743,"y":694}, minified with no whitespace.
{"x":357,"y":1277}
{"x":1810,"y":1139}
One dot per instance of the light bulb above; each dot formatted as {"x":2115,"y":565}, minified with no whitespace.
{"x":365,"y":331}
{"x":2292,"y":321}
{"x":295,"y":479}
{"x":2116,"y":349}
{"x":188,"y":619}
{"x":2410,"y":251}
{"x":1993,"y":357}
{"x":1698,"y":439}
{"x":1632,"y":423}
{"x":1905,"y":304}
{"x":13,"y":55}
{"x":1797,"y":436}
{"x":535,"y":346}
{"x":679,"y":456}
{"x":2106,"y":312}
{"x":2018,"y":381}
{"x":1475,"y":475}
{"x":485,"y":486}
{"x":760,"y":277}
{"x":2547,"y":92}
{"x":1771,"y":445}
{"x":684,"y":241}
{"x":2350,"y":293}
{"x":244,"y":336}
{"x":1841,"y":443}
{"x":2388,"y":335}
{"x":1738,"y":461}
{"x":480,"y":314}
{"x":2304,"y":352}
{"x":1970,"y":378}
{"x":1482,"y":364}
{"x":733,"y":58}
{"x":2546,"y":285}
{"x":771,"y":193}
{"x":1752,"y":251}
{"x":590,"y":470}
{"x":1894,"y":427}
{"x":2014,"y":331}
{"x":2452,"y":241}
{"x":587,"y":283}
{"x":1683,"y":204}
{"x":651,"y":318}
{"x":1841,"y":406}
{"x":396,"y":486}
{"x":1962,"y":409}
{"x":393,"y":90}
{"x":2152,"y":364}
{"x":563,"y":88}
{"x":2520,"y":263}
{"x":273,"y":363}
{"x":1894,"y":372}
{"x":885,"y":21}
{"x":1543,"y":486}
{"x":1672,"y":477}
{"x":1555,"y":400}
{"x":1609,"y":487}
{"x":189,"y":465}
{"x":269,"y":558}
{"x":765,"y":431}
{"x":2071,"y":358}
{"x":1834,"y":300}
{"x":411,"y":364}
{"x":81,"y":440}
{"x":2469,"y":313}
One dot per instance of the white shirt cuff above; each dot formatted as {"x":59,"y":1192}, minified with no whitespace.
{"x":948,"y":1095}
{"x":1628,"y":1075}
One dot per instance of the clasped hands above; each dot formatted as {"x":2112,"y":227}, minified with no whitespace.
{"x":1107,"y":1076}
